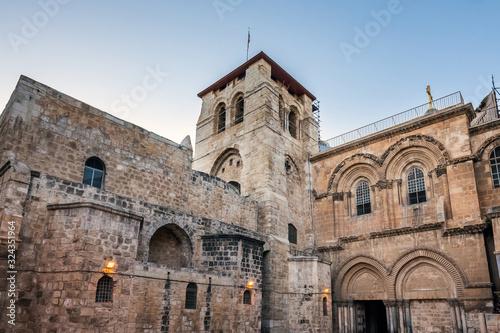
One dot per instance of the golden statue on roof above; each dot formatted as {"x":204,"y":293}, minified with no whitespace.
{"x":430,"y":97}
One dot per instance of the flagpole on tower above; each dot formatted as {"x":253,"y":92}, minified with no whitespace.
{"x":248,"y":42}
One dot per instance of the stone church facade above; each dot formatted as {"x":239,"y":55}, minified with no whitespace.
{"x":254,"y":230}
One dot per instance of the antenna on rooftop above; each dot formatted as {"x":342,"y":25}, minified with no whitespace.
{"x":248,"y":42}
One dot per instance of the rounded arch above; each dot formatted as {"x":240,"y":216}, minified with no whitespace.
{"x":238,"y":107}
{"x":94,"y":172}
{"x":223,"y":157}
{"x":220,"y":115}
{"x":355,"y":273}
{"x":415,"y":156}
{"x":410,"y":261}
{"x":350,"y":178}
{"x":484,"y":151}
{"x":436,"y":149}
{"x":170,"y":245}
{"x":293,"y":121}
{"x":369,"y":160}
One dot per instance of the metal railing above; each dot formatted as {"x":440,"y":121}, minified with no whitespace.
{"x":439,"y":104}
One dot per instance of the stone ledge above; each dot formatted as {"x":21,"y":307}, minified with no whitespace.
{"x":468,"y":229}
{"x":75,"y":205}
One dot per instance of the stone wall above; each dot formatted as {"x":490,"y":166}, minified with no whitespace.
{"x":430,"y":251}
{"x":66,"y":242}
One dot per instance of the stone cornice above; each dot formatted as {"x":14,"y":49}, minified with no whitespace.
{"x":406,"y":230}
{"x":493,"y":212}
{"x":234,"y":236}
{"x":91,"y":205}
{"x":406,"y":127}
{"x":468,"y":229}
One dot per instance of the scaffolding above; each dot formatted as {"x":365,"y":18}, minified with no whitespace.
{"x":496,"y":93}
{"x":315,"y":110}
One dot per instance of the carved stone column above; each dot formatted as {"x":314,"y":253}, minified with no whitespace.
{"x":392,"y":316}
{"x":407,"y":318}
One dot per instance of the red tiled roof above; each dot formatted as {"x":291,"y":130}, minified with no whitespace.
{"x":276,"y":71}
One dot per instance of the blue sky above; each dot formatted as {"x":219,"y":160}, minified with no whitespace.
{"x":165,"y":52}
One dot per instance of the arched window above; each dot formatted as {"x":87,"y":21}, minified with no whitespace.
{"x":93,"y":174}
{"x":247,"y":297}
{"x":240,"y":110}
{"x":292,"y":234}
{"x":416,"y":186}
{"x":363,"y":205}
{"x":495,"y":166}
{"x":104,"y":291}
{"x":237,"y":186}
{"x":325,"y":306}
{"x":292,"y":123}
{"x":191,"y":292}
{"x":221,"y":117}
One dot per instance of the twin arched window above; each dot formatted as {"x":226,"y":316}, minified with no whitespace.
{"x":221,"y":113}
{"x":416,"y":186}
{"x":416,"y":189}
{"x":93,"y":174}
{"x":363,"y":202}
{"x":495,"y":166}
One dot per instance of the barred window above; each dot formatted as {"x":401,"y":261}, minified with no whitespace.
{"x":93,"y":174}
{"x":240,"y":110}
{"x":191,"y":293}
{"x":363,"y":205}
{"x":292,"y":234}
{"x":247,"y":297}
{"x":416,"y":186}
{"x":495,"y":166}
{"x":325,"y":306}
{"x":221,"y":120}
{"x":104,"y":291}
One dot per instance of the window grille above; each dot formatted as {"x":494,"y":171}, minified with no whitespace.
{"x":240,"y":110}
{"x":93,"y":173}
{"x":221,"y":114}
{"x":292,"y":234}
{"x":247,"y":297}
{"x":495,"y":166}
{"x":363,"y":205}
{"x":104,"y":291}
{"x":416,"y":186}
{"x":191,"y":293}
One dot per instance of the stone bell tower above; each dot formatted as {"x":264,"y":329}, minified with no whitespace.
{"x":256,"y":131}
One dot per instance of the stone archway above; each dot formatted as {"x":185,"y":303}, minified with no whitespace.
{"x":170,"y":245}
